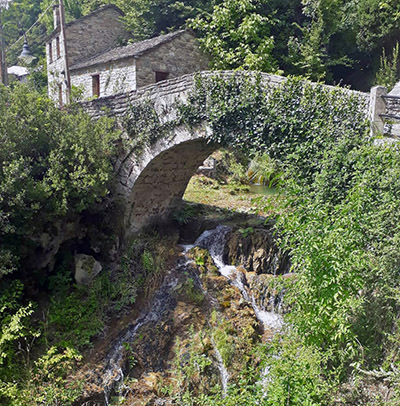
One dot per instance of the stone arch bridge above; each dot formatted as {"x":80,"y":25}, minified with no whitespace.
{"x":151,"y":185}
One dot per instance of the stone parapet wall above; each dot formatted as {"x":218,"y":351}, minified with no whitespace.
{"x":151,"y":184}
{"x":168,"y":90}
{"x":392,"y":105}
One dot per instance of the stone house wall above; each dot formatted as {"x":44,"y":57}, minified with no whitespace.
{"x":115,"y":77}
{"x":55,"y":67}
{"x":94,"y":34}
{"x":87,"y":37}
{"x":178,"y":57}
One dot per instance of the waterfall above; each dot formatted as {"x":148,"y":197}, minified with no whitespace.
{"x":164,"y":301}
{"x":223,"y":372}
{"x":214,"y":241}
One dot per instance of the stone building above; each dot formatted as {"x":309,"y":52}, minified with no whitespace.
{"x":99,"y":67}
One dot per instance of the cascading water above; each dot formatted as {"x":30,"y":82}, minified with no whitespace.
{"x":214,"y":241}
{"x":164,"y":301}
{"x":223,"y":372}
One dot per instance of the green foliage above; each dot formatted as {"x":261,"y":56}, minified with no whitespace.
{"x":345,"y":253}
{"x":238,"y":35}
{"x":17,"y":19}
{"x":264,"y":171}
{"x":245,"y":232}
{"x":147,"y":261}
{"x":341,"y":223}
{"x":184,"y":214}
{"x":131,"y":354}
{"x":79,"y":316}
{"x":48,"y":383}
{"x":388,"y":73}
{"x":147,"y":18}
{"x":322,"y":39}
{"x":296,"y":123}
{"x":200,"y":260}
{"x":15,"y":324}
{"x":295,"y":373}
{"x":143,"y":125}
{"x":290,"y":373}
{"x":53,"y":164}
{"x":191,"y":292}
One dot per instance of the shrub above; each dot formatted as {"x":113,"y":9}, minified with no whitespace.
{"x":53,"y":163}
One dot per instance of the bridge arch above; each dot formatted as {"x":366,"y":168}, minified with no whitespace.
{"x":154,"y":184}
{"x":150,"y":183}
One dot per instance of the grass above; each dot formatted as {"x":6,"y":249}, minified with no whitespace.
{"x":230,"y":196}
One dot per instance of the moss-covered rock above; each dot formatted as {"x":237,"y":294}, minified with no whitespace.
{"x":255,"y":249}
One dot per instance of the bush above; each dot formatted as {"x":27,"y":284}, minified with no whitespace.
{"x":53,"y":164}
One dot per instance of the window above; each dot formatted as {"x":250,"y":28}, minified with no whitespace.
{"x":96,"y":85}
{"x":160,"y":76}
{"x":58,"y":47}
{"x":60,"y":95}
{"x":50,"y":52}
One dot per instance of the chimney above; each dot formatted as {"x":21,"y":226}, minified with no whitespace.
{"x":56,"y":15}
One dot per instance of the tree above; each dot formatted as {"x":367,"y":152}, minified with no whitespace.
{"x":53,"y":164}
{"x":147,"y":18}
{"x":238,"y":35}
{"x":388,"y":73}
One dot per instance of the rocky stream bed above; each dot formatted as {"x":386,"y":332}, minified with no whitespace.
{"x":197,"y":331}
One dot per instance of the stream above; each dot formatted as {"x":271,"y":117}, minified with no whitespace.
{"x":164,"y":302}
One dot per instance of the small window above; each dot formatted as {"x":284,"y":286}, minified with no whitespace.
{"x":160,"y":76}
{"x":50,"y":52}
{"x":58,"y":47}
{"x":60,"y":95}
{"x":96,"y":85}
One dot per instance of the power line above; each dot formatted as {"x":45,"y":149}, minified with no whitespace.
{"x":32,"y":26}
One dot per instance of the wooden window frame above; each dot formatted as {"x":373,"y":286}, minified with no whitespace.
{"x":160,"y":76}
{"x":96,"y":85}
{"x":58,"y":48}
{"x":60,"y":95}
{"x":50,"y":52}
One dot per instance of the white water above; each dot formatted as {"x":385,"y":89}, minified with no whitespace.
{"x":223,"y":372}
{"x":113,"y":377}
{"x":214,"y":241}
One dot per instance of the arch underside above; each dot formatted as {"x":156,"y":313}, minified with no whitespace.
{"x":160,"y":187}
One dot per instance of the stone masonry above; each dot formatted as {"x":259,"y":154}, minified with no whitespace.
{"x":178,"y":57}
{"x":86,"y":37}
{"x":100,"y":67}
{"x":151,"y":185}
{"x":128,"y":68}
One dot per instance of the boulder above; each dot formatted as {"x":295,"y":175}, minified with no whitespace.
{"x":255,"y":249}
{"x":86,"y":268}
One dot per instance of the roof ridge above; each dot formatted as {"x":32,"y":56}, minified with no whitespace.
{"x":128,"y":50}
{"x":94,"y":12}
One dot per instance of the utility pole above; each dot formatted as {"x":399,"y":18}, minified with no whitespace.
{"x":3,"y":66}
{"x":66,"y":64}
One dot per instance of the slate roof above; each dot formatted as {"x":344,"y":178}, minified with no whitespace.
{"x":18,"y":70}
{"x":132,"y":50}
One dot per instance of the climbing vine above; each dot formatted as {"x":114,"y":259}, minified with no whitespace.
{"x":295,"y":122}
{"x":341,"y":222}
